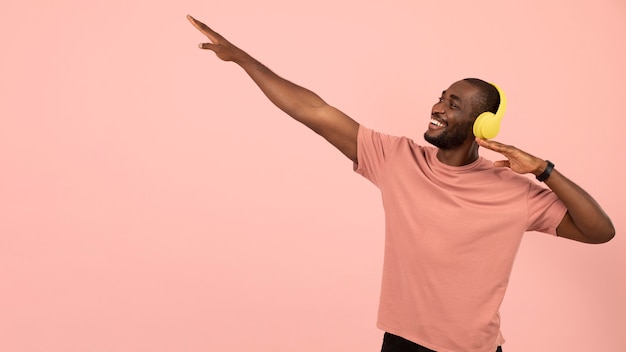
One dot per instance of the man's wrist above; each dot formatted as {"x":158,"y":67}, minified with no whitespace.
{"x":546,"y":171}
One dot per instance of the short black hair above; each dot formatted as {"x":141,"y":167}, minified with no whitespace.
{"x":488,"y":98}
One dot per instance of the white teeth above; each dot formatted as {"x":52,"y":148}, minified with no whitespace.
{"x":436,"y":123}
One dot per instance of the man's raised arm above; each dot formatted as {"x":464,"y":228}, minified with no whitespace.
{"x":300,"y":103}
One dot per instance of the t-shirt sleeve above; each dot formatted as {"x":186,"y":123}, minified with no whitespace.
{"x":373,"y":148}
{"x":545,"y":210}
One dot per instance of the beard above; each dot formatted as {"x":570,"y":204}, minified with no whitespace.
{"x":451,"y":138}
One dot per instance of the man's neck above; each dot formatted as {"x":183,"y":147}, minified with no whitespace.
{"x":463,"y":155}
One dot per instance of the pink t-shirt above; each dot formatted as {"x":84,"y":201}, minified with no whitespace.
{"x":452,"y":234}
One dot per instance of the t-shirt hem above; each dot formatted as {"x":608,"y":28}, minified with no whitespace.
{"x":427,"y":344}
{"x":411,"y":338}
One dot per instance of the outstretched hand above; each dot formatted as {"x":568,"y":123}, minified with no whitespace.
{"x":219,"y":45}
{"x":517,"y":160}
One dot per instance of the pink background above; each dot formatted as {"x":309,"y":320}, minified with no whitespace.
{"x":151,"y":199}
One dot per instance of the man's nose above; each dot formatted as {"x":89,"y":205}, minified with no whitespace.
{"x":439,"y":108}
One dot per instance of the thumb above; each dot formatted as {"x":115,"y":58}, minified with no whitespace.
{"x":502,"y":163}
{"x":206,"y":46}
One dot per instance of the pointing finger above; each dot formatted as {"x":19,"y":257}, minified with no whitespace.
{"x":212,"y":35}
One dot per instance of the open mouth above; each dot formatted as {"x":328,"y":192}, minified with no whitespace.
{"x":437,"y":123}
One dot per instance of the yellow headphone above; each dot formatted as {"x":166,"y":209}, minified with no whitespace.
{"x":487,"y":124}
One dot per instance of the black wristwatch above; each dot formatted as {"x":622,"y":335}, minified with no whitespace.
{"x":546,"y":173}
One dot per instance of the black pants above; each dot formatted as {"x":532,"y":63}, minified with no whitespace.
{"x":393,"y":343}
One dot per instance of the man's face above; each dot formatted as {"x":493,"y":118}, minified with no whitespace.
{"x":452,"y":117}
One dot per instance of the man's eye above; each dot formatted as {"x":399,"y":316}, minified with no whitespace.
{"x":452,"y":106}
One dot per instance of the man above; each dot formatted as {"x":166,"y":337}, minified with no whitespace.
{"x":454,"y":220}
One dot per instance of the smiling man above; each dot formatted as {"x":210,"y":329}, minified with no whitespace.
{"x":454,"y":220}
{"x":448,"y":129}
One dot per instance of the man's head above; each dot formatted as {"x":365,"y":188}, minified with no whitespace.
{"x":453,"y":116}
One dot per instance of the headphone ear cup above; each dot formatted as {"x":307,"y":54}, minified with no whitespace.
{"x":486,"y":125}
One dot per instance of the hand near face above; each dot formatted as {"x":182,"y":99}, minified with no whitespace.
{"x":517,"y":160}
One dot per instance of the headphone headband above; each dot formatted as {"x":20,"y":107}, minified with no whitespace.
{"x":503,"y":102}
{"x":487,"y":124}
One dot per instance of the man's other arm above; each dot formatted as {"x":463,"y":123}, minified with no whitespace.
{"x":298,"y":102}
